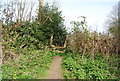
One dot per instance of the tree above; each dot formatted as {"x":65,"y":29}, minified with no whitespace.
{"x":24,"y":32}
{"x":52,"y":24}
{"x":113,"y":24}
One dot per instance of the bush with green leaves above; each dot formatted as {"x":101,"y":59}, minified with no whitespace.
{"x":30,"y":35}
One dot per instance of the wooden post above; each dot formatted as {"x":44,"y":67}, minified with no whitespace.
{"x":0,"y":49}
{"x":51,"y":40}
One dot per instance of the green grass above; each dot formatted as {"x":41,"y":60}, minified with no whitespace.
{"x":32,"y":64}
{"x":74,"y":67}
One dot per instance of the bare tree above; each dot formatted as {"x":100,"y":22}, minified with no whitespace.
{"x":113,"y":24}
{"x":112,"y":21}
{"x":18,"y":11}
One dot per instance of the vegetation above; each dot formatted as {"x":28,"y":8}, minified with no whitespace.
{"x":76,"y":68}
{"x":52,"y":24}
{"x":113,"y":23}
{"x":91,"y":54}
{"x":32,"y":64}
{"x":82,"y":41}
{"x":26,"y":40}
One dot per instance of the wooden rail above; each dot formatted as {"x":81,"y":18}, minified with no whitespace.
{"x":54,"y":48}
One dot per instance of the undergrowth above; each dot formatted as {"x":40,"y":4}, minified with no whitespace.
{"x":32,"y":64}
{"x":74,"y":67}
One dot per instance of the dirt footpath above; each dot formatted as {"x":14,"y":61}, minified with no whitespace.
{"x":55,"y":71}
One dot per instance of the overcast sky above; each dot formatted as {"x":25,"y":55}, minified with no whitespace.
{"x":96,"y":11}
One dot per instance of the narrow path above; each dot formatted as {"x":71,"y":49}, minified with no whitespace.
{"x":55,"y":71}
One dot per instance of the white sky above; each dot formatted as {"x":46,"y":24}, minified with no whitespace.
{"x":96,"y":11}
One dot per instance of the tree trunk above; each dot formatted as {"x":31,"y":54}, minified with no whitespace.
{"x":40,"y":10}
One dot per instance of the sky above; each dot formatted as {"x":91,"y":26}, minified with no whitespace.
{"x":95,"y":11}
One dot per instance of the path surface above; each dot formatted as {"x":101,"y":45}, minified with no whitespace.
{"x":55,"y":71}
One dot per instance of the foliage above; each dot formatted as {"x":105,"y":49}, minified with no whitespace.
{"x":23,"y":33}
{"x":33,"y":64}
{"x":83,"y":41}
{"x":76,"y":68}
{"x":30,"y":35}
{"x":25,"y":41}
{"x":53,"y":24}
{"x":33,"y":34}
{"x":27,"y":35}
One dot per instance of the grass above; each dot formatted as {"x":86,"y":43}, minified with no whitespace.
{"x":30,"y":65}
{"x":74,"y":67}
{"x":35,"y":64}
